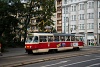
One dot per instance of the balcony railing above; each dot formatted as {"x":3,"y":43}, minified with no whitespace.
{"x":58,"y":11}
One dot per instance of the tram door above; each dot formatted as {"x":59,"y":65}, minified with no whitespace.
{"x":90,"y":42}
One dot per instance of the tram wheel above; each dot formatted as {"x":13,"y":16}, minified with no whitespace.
{"x":53,"y":51}
{"x":29,"y":52}
{"x":76,"y":48}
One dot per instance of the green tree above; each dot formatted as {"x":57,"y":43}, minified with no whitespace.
{"x":13,"y":11}
{"x":9,"y":21}
{"x":45,"y":14}
{"x":42,"y":11}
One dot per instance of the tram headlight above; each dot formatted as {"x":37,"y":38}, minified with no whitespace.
{"x":30,"y":46}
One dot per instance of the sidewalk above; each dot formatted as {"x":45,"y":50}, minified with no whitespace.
{"x":13,"y":52}
{"x":91,"y":46}
{"x":21,"y":51}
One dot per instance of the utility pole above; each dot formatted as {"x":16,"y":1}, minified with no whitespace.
{"x":68,"y":24}
{"x":96,"y":23}
{"x":97,"y":26}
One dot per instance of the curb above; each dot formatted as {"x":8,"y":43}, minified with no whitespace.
{"x":12,"y":56}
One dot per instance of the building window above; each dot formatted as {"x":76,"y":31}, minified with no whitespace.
{"x":90,"y":15}
{"x":81,"y":16}
{"x":73,"y":17}
{"x":99,"y":25}
{"x":73,"y":27}
{"x":99,"y":14}
{"x":66,"y":28}
{"x":81,"y":27}
{"x":99,"y":4}
{"x":66,"y":10}
{"x":81,"y":6}
{"x":64,"y":19}
{"x":71,"y":0}
{"x":90,"y":4}
{"x":65,"y":1}
{"x":90,"y":26}
{"x":67,"y":20}
{"x":73,"y":8}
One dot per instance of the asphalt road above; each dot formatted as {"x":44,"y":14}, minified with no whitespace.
{"x":25,"y":59}
{"x":92,"y":60}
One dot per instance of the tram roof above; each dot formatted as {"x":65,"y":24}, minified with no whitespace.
{"x":55,"y":34}
{"x":79,"y":35}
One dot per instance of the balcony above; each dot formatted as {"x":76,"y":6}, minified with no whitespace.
{"x":59,"y":11}
{"x":59,"y":25}
{"x":59,"y":18}
{"x":58,"y":5}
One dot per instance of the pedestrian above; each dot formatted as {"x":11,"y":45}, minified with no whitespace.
{"x":0,"y":50}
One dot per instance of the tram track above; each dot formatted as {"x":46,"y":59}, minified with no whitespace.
{"x":47,"y":58}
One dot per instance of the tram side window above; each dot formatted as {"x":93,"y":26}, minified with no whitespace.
{"x":50,"y":39}
{"x":72,"y":38}
{"x":81,"y":38}
{"x":77,"y":38}
{"x":62,"y":38}
{"x":67,"y":38}
{"x":28,"y":40}
{"x":56,"y":38}
{"x":43,"y":38}
{"x":36,"y":39}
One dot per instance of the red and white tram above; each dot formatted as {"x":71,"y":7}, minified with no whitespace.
{"x":45,"y":42}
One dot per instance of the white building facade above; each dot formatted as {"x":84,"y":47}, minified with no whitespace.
{"x":82,"y":16}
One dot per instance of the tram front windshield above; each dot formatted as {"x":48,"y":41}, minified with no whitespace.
{"x":32,"y":39}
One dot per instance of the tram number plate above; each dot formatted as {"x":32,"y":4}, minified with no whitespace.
{"x":75,"y":44}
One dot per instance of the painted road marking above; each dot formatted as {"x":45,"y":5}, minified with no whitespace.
{"x":79,"y":62}
{"x":86,"y":55}
{"x":56,"y":63}
{"x":94,"y":65}
{"x":97,"y":56}
{"x":85,"y":49}
{"x":98,"y":50}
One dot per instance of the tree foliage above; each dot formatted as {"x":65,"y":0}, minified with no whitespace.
{"x":9,"y":21}
{"x":14,"y":13}
{"x":45,"y":14}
